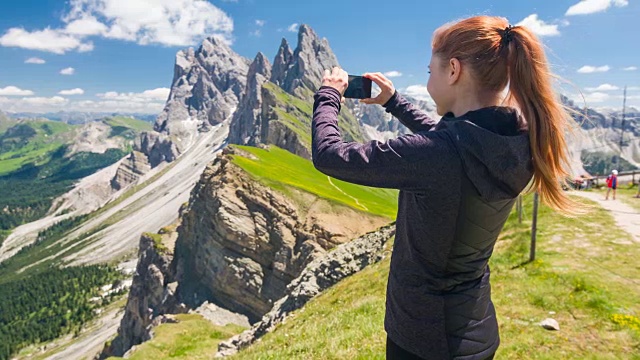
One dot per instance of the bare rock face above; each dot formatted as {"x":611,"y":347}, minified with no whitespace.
{"x":247,"y":121}
{"x":281,"y":63}
{"x":95,"y":137}
{"x":131,"y":169}
{"x":274,"y":114}
{"x":207,"y":86}
{"x":319,"y":275}
{"x":241,"y":243}
{"x":158,"y":147}
{"x":149,"y":297}
{"x":305,"y":67}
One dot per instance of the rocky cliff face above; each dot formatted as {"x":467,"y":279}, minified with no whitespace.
{"x":206,"y":89}
{"x":152,"y":293}
{"x":207,"y":85}
{"x":322,"y":273}
{"x":247,"y":121}
{"x":305,"y":67}
{"x":241,"y":243}
{"x":238,"y":246}
{"x":278,"y":111}
{"x":281,"y":63}
{"x":131,"y":169}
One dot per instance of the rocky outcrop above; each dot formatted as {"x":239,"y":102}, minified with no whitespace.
{"x":283,"y":123}
{"x":247,"y":121}
{"x":303,"y":69}
{"x":130,"y":171}
{"x":152,"y":294}
{"x":281,"y":63}
{"x":238,"y":246}
{"x":207,"y":85}
{"x":95,"y":137}
{"x":241,"y":243}
{"x":322,"y":273}
{"x":158,"y":147}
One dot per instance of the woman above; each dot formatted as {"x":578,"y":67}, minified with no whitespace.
{"x":458,"y":178}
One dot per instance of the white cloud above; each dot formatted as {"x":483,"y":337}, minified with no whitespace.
{"x":164,"y":22}
{"x":585,"y":7}
{"x":539,"y":27}
{"x":419,"y":92}
{"x":159,"y":94}
{"x":293,"y":27}
{"x":256,"y":33}
{"x":33,"y":104}
{"x":34,"y":60}
{"x":68,"y":71}
{"x":587,"y":69}
{"x":630,"y":68}
{"x":50,"y":40}
{"x":86,"y":26}
{"x":260,"y":22}
{"x":595,"y":97}
{"x":147,"y":102}
{"x":603,"y":87}
{"x":393,"y":73}
{"x":76,"y":91}
{"x":14,"y":91}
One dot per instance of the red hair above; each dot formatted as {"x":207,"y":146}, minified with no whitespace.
{"x":517,"y":59}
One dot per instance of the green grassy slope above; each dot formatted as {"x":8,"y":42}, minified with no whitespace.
{"x":280,"y":169}
{"x":31,"y":142}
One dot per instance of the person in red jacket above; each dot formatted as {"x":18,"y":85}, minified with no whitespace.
{"x":612,"y":184}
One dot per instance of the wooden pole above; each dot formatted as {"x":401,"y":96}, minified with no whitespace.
{"x":534,"y":227}
{"x":519,"y":208}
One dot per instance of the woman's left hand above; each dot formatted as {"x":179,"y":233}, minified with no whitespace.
{"x":337,"y":79}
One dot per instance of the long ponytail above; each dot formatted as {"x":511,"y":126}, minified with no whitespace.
{"x":519,"y":62}
{"x":530,"y":87}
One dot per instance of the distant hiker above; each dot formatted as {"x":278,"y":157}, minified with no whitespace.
{"x":458,"y":178}
{"x":612,"y":184}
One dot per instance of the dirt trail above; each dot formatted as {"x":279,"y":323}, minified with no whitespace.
{"x":627,"y":218}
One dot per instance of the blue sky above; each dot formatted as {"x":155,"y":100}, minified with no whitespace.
{"x":118,"y":55}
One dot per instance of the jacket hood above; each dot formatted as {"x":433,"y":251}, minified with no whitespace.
{"x":493,"y":144}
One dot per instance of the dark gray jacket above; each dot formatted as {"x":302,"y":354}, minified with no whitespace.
{"x":458,"y":179}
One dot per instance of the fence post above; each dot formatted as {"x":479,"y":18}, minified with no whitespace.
{"x":519,"y":208}
{"x":534,"y":227}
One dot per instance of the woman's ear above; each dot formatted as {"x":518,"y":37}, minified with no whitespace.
{"x":455,"y":69}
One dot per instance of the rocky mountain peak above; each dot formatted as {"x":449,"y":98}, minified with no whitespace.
{"x":246,"y":124}
{"x":207,"y":86}
{"x":306,"y":66}
{"x":259,"y":65}
{"x":281,"y":63}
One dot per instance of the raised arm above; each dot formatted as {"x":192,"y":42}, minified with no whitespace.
{"x":410,"y":116}
{"x":406,"y":163}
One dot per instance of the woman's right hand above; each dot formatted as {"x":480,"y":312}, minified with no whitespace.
{"x":386,"y":89}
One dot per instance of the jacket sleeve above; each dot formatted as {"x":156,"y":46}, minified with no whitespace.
{"x":402,"y":163}
{"x":410,"y":116}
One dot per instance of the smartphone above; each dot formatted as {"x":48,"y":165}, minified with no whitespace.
{"x":359,"y":88}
